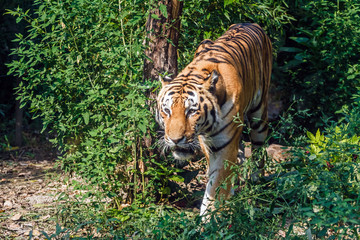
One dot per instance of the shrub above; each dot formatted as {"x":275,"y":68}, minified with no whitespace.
{"x":80,"y":63}
{"x":323,"y":182}
{"x":321,"y":56}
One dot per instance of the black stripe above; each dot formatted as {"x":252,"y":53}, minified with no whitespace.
{"x":232,"y":106}
{"x":235,"y":51}
{"x":205,"y":50}
{"x":190,"y":86}
{"x":214,"y":60}
{"x":212,"y":172}
{"x":263,"y":129}
{"x":197,"y":75}
{"x":222,"y":129}
{"x":187,"y":75}
{"x":216,"y":149}
{"x":192,"y":81}
{"x":212,"y":112}
{"x":209,"y":127}
{"x":206,"y":41}
{"x":222,"y":49}
{"x":255,"y":125}
{"x":242,"y":60}
{"x":181,"y":75}
{"x":190,"y":93}
{"x":206,"y":112}
{"x":255,"y":109}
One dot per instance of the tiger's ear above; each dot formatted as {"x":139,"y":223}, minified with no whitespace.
{"x":165,"y":80}
{"x":211,"y":81}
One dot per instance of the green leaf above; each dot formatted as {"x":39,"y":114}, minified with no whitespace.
{"x":86,"y":117}
{"x":226,"y":14}
{"x":142,"y":127}
{"x":228,"y":2}
{"x":290,"y":49}
{"x":300,"y":40}
{"x":310,"y":136}
{"x":163,"y":10}
{"x":112,"y":140}
{"x":155,"y":16}
{"x":93,"y":133}
{"x":318,"y":135}
{"x":176,"y":178}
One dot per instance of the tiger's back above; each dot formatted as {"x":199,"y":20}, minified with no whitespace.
{"x":228,"y":77}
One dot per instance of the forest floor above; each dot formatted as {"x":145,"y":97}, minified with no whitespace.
{"x":30,"y":183}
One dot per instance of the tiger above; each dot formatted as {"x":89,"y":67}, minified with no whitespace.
{"x":227,"y":78}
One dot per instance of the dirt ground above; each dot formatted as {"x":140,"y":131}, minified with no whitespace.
{"x":29,"y":186}
{"x":29,"y":183}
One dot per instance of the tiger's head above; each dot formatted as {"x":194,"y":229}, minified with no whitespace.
{"x":186,"y":109}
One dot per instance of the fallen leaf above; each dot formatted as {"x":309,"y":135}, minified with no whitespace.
{"x":16,"y":217}
{"x":8,"y":205}
{"x":36,"y":233}
{"x":14,"y":227}
{"x":23,"y":174}
{"x":29,"y":224}
{"x":43,"y":218}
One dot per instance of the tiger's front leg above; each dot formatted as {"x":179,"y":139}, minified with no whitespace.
{"x":220,"y":162}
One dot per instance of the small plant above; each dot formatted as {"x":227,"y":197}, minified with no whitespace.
{"x":339,"y":147}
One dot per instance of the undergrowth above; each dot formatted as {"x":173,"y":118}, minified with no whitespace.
{"x":313,"y":195}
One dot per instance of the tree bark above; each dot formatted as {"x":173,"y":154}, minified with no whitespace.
{"x":162,"y":40}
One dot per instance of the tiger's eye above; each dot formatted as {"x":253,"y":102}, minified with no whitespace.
{"x":166,"y":111}
{"x":191,"y":112}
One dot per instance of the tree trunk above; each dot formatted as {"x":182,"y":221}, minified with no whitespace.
{"x":162,"y":40}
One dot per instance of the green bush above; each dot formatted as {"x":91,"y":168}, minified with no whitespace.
{"x":321,"y":57}
{"x":323,"y":179}
{"x":80,"y":64}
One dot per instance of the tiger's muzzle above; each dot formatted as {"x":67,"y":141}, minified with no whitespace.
{"x":183,"y":149}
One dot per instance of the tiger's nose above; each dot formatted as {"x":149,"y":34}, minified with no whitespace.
{"x":177,"y":140}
